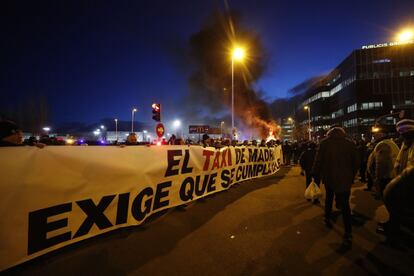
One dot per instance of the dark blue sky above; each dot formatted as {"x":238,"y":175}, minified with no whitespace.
{"x":96,"y":59}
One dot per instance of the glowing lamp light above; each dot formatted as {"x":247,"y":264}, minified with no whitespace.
{"x":238,"y":53}
{"x":47,"y":129}
{"x":306,"y":107}
{"x":70,"y":141}
{"x":375,"y":129}
{"x":177,"y":123}
{"x":158,"y":143}
{"x":405,"y":35}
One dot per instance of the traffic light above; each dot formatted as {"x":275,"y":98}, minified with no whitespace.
{"x":156,"y":112}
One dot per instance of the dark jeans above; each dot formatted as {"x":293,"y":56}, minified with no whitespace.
{"x":362,"y":171}
{"x":309,"y":176}
{"x":342,"y":200}
{"x":370,"y":182}
{"x":382,"y":183}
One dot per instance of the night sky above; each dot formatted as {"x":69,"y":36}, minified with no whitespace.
{"x":97,"y":59}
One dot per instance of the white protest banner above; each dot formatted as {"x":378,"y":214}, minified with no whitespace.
{"x":59,"y":195}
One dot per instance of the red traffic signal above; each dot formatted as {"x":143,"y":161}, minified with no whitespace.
{"x":156,"y":112}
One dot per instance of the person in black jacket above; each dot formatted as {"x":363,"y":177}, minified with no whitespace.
{"x":306,"y":161}
{"x":337,"y":163}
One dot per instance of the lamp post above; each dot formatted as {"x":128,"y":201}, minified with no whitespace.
{"x":143,"y":135}
{"x":132,"y":122}
{"x":176,"y":125}
{"x":116,"y":129}
{"x":309,"y":121}
{"x":237,"y":55}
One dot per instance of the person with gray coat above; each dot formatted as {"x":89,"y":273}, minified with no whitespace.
{"x":337,"y":163}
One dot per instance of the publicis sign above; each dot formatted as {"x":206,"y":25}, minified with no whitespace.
{"x":200,"y":129}
{"x":57,"y":196}
{"x":387,"y":44}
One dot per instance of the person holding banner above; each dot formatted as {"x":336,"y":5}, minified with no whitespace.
{"x":337,"y":163}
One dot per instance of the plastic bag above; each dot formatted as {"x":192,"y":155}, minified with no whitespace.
{"x":313,"y":192}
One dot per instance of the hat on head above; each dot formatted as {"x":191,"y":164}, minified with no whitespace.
{"x":405,"y":126}
{"x":336,"y":131}
{"x":8,"y":128}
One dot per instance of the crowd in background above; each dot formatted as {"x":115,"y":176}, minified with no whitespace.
{"x":384,"y":163}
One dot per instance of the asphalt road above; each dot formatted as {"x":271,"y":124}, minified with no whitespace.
{"x":260,"y":227}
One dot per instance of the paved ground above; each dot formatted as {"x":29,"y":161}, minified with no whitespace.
{"x":260,"y":227}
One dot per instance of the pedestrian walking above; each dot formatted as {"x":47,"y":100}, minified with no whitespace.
{"x":337,"y":163}
{"x":399,"y":193}
{"x":381,"y":161}
{"x":306,"y":161}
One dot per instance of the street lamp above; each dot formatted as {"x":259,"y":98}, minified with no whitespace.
{"x":46,"y":129}
{"x":132,"y":121}
{"x":405,"y":35}
{"x":237,"y":55}
{"x":221,"y":128}
{"x":177,"y":124}
{"x":309,"y":121}
{"x":116,"y":129}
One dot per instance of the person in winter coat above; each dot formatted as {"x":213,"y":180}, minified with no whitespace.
{"x":381,"y":161}
{"x":306,"y":161}
{"x":337,"y":163}
{"x":399,"y":193}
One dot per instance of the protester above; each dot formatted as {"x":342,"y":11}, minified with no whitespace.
{"x":306,"y":161}
{"x":172,"y":139}
{"x":363,"y":157}
{"x":10,"y":134}
{"x":287,"y":153}
{"x":131,"y":139}
{"x":370,"y":181}
{"x":337,"y":163}
{"x":381,"y":161}
{"x":399,"y":193}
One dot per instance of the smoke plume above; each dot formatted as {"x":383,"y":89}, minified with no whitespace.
{"x":210,"y":81}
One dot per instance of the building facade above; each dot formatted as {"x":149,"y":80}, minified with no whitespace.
{"x":369,"y":83}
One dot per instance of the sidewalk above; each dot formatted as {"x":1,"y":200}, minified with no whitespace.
{"x":260,"y":227}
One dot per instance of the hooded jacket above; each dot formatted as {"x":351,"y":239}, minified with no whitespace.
{"x":337,"y":161}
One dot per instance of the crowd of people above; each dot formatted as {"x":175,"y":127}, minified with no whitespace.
{"x":385,"y":164}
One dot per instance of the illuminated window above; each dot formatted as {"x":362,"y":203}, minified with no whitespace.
{"x":385,"y":60}
{"x":352,"y":108}
{"x":371,"y":105}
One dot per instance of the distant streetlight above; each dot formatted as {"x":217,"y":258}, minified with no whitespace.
{"x":309,"y":121}
{"x":405,"y":35}
{"x":116,"y":129}
{"x":221,"y":128}
{"x":132,"y":121}
{"x":238,"y":54}
{"x":143,"y":135}
{"x":46,"y":129}
{"x":102,"y":127}
{"x":176,"y":125}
